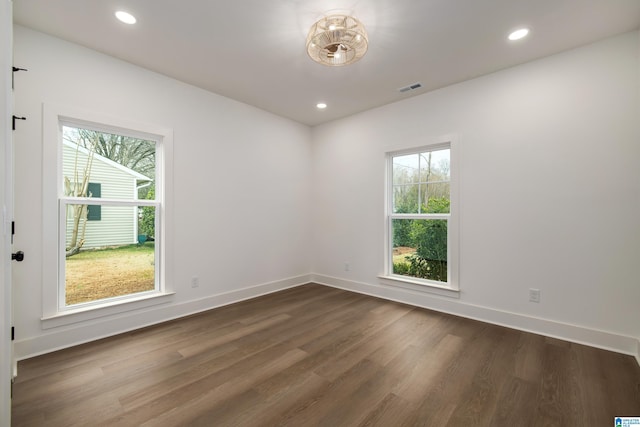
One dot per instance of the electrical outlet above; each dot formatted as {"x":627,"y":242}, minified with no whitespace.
{"x":347,"y":267}
{"x":534,"y":295}
{"x":195,"y":282}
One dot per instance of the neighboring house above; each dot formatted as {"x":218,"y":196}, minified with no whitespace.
{"x":106,"y":225}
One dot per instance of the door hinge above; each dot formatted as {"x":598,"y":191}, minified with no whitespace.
{"x":13,"y":230}
{"x":13,"y":333}
{"x":14,"y":69}
{"x":14,"y":121}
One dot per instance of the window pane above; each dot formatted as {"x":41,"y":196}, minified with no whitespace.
{"x":123,"y":167}
{"x":406,"y":169}
{"x":435,"y":166}
{"x":111,"y":257}
{"x":430,"y":170}
{"x":420,"y":248}
{"x":406,"y":198}
{"x":435,"y":197}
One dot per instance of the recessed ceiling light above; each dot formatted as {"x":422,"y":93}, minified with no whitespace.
{"x":518,"y":34}
{"x":321,"y":105}
{"x":125,"y":17}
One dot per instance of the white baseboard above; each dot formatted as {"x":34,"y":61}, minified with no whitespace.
{"x":80,"y":333}
{"x":578,"y":334}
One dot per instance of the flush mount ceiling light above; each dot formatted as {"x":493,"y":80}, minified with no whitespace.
{"x":337,"y":40}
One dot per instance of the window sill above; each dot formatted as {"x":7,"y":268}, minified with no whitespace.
{"x":419,"y":286}
{"x":83,"y":314}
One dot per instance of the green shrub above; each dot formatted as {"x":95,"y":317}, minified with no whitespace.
{"x":422,"y":268}
{"x":147,"y":224}
{"x":401,"y":268}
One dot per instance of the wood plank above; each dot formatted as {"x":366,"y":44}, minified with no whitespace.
{"x":315,"y":355}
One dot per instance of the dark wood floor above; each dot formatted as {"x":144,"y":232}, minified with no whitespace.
{"x":314,"y":355}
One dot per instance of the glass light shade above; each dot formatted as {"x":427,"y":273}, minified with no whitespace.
{"x":337,"y":40}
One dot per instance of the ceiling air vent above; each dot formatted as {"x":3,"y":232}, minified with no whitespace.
{"x":410,"y":87}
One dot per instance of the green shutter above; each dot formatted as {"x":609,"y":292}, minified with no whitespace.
{"x":94,"y":212}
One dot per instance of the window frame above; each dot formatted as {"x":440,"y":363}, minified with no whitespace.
{"x":452,"y":286}
{"x":55,"y":313}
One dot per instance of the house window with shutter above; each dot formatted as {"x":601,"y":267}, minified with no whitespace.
{"x":94,"y":212}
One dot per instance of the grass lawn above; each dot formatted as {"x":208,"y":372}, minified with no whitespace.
{"x":98,"y":274}
{"x":400,"y":253}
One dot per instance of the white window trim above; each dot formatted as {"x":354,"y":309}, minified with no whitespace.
{"x":452,"y":287}
{"x":53,"y":117}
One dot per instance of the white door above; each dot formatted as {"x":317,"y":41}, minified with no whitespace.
{"x":6,"y":207}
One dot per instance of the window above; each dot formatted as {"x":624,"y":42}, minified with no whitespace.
{"x":94,"y":212}
{"x":422,"y":217}
{"x":109,"y":189}
{"x":106,"y":260}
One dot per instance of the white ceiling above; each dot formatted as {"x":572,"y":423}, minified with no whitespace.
{"x":254,"y":50}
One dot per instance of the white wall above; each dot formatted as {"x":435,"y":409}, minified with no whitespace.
{"x":549,"y":193}
{"x":550,"y":184}
{"x":241,"y":180}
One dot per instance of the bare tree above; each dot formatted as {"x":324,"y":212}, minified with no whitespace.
{"x":133,"y":153}
{"x":79,"y":187}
